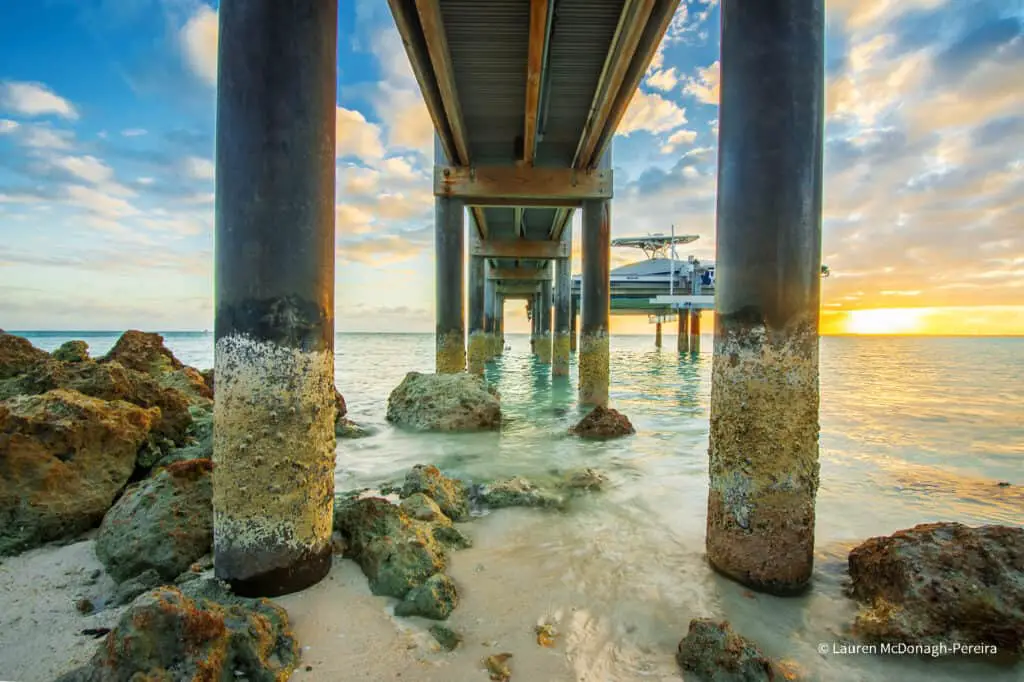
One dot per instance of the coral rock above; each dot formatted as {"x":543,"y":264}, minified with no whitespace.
{"x":603,"y":423}
{"x":17,"y":354}
{"x":72,"y":351}
{"x":450,"y":494}
{"x":434,"y":599}
{"x":713,"y":652}
{"x":145,"y":352}
{"x":444,"y":402}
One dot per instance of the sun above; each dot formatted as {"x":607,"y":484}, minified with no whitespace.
{"x":885,"y":321}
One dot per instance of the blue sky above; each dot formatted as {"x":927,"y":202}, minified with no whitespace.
{"x":106,"y":175}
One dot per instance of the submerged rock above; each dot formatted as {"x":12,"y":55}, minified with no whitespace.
{"x":714,"y":653}
{"x":446,"y":637}
{"x":444,"y":402}
{"x":515,"y":492}
{"x":451,"y":494}
{"x":434,"y":599}
{"x":163,"y":523}
{"x":587,"y":480}
{"x":66,"y":456}
{"x":145,"y":352}
{"x":17,"y":354}
{"x":72,"y":351}
{"x":196,"y":633}
{"x":603,"y":423}
{"x":340,"y":406}
{"x":346,"y":428}
{"x":942,"y":582}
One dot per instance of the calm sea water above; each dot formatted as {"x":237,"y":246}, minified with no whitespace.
{"x":912,"y":430}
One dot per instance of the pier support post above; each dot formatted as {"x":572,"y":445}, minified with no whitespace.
{"x":491,"y":348}
{"x":657,"y":335}
{"x":273,"y":449}
{"x":764,"y":393}
{"x":544,"y":337}
{"x":477,"y":337}
{"x":683,"y":340}
{"x":573,"y":314}
{"x":596,"y":303}
{"x":499,"y":323}
{"x":449,"y":243}
{"x":563,"y":311}
{"x":695,"y":330}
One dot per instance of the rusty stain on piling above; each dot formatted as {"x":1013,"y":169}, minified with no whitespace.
{"x":764,"y":456}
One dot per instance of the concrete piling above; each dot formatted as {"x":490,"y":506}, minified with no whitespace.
{"x":449,"y":244}
{"x":478,"y":341}
{"x":490,"y":297}
{"x":764,"y":395}
{"x":683,"y":340}
{"x":274,"y":289}
{"x":695,"y":331}
{"x":561,"y":349}
{"x":544,"y":332}
{"x":573,"y":313}
{"x":596,"y":304}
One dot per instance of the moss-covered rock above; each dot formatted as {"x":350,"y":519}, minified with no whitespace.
{"x":451,"y":494}
{"x":72,"y":351}
{"x":515,"y":492}
{"x":942,"y":582}
{"x":446,"y":637}
{"x":450,"y":536}
{"x":444,"y":402}
{"x":136,"y":585}
{"x":198,"y":633}
{"x":603,"y":423}
{"x":146,"y":353}
{"x":422,"y":508}
{"x":164,"y":523}
{"x":435,"y":599}
{"x":714,"y":653}
{"x":66,"y":456}
{"x":17,"y":354}
{"x":348,"y":429}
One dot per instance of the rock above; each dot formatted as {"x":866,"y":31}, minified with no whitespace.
{"x":942,"y":582}
{"x":444,"y":402}
{"x":450,"y":536}
{"x":145,"y":352}
{"x":714,"y":653}
{"x":130,"y":589}
{"x":446,"y":637}
{"x":434,"y":599}
{"x":198,"y":440}
{"x":164,"y":523}
{"x":395,"y":553}
{"x":17,"y":354}
{"x":85,"y":606}
{"x":420,"y":507}
{"x":66,"y":456}
{"x":346,"y":428}
{"x":207,"y":375}
{"x":110,"y":381}
{"x":498,"y":668}
{"x":196,"y":633}
{"x":603,"y":423}
{"x":450,"y":494}
{"x":515,"y":492}
{"x":339,"y":403}
{"x":587,"y":480}
{"x":72,"y":351}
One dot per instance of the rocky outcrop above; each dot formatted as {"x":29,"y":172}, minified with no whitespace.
{"x":195,"y":633}
{"x":714,"y":653}
{"x":450,"y":494}
{"x":110,"y":381}
{"x":444,"y":402}
{"x":942,"y":582}
{"x":603,"y":423}
{"x":146,"y":353}
{"x":17,"y":354}
{"x":72,"y":351}
{"x":163,"y":523}
{"x":66,"y":456}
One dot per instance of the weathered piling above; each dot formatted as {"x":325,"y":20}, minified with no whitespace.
{"x":695,"y":330}
{"x":490,"y":297}
{"x":563,"y":309}
{"x":499,"y":324}
{"x":683,"y":340}
{"x":764,"y":396}
{"x":544,"y":335}
{"x":273,"y":447}
{"x":449,"y":243}
{"x":596,"y":304}
{"x":477,"y":355}
{"x":657,"y":335}
{"x":573,"y":313}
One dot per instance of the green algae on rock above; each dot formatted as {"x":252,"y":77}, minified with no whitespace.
{"x":164,"y":523}
{"x":435,"y":599}
{"x":603,"y":423}
{"x":942,"y":582}
{"x":422,"y":508}
{"x":451,"y":494}
{"x":446,"y":637}
{"x":72,"y":351}
{"x":66,"y":457}
{"x":715,"y":653}
{"x":515,"y":492}
{"x":195,"y":633}
{"x":444,"y":402}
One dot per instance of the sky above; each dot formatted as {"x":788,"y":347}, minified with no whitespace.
{"x":106,"y":165}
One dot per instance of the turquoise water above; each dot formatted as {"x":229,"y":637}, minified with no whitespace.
{"x":912,"y":430}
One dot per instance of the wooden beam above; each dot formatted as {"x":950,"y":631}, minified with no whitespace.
{"x":560,"y":223}
{"x":517,"y":219}
{"x":534,"y":66}
{"x":520,"y":248}
{"x":432,"y":25}
{"x":481,"y":221}
{"x":419,"y":59}
{"x":656,"y":26}
{"x":632,"y":23}
{"x":520,"y":289}
{"x":512,"y":185}
{"x":520,"y":274}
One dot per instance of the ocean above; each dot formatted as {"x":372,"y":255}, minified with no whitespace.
{"x":913,"y":430}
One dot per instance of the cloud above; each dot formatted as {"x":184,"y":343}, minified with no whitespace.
{"x":198,"y":40}
{"x":356,"y":136}
{"x":133,"y":132}
{"x":678,"y":138}
{"x":44,"y":137}
{"x":199,"y":169}
{"x":664,"y":79}
{"x":651,"y":112}
{"x":706,"y":85}
{"x":87,"y":168}
{"x":7,"y":126}
{"x":34,"y":99}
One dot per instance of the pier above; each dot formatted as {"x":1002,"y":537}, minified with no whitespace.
{"x":525,"y":97}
